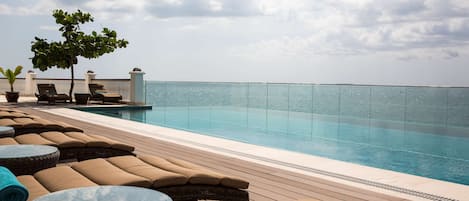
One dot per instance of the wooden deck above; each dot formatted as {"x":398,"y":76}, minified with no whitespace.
{"x":266,"y":183}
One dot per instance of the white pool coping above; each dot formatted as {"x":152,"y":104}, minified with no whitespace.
{"x":286,"y":160}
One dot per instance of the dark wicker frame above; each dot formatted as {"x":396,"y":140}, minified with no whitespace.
{"x":41,"y":129}
{"x":100,"y":97}
{"x":85,"y":153}
{"x":47,"y":92}
{"x":30,"y":165}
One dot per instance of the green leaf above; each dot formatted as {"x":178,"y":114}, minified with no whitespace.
{"x":64,"y":54}
{"x":18,"y":70}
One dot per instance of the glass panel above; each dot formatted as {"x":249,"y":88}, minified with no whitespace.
{"x":325,"y":127}
{"x":301,"y":106}
{"x":388,"y":103}
{"x":355,"y":101}
{"x":238,"y":94}
{"x":177,"y":94}
{"x":458,"y":107}
{"x":199,"y":95}
{"x":277,"y":114}
{"x":156,"y":93}
{"x":426,"y":105}
{"x":326,"y":99}
{"x":257,"y":104}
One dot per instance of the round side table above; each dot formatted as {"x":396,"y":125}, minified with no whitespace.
{"x":106,"y":193}
{"x":81,"y":98}
{"x":6,"y":131}
{"x":28,"y":159}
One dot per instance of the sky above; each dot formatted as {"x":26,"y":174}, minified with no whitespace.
{"x":398,"y":42}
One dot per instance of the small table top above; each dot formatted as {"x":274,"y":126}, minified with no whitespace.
{"x":21,"y":151}
{"x":106,"y":193}
{"x":6,"y":131}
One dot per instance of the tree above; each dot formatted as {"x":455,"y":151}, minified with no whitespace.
{"x":64,"y":54}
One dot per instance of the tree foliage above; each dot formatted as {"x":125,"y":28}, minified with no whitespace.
{"x":64,"y":54}
{"x":11,"y":75}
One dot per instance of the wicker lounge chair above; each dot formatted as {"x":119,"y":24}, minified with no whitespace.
{"x":74,"y":145}
{"x":34,"y":124}
{"x":11,"y":114}
{"x":47,"y":92}
{"x":181,"y":180}
{"x":98,"y":93}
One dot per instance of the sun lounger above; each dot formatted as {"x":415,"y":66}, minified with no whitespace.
{"x":181,"y":180}
{"x":74,"y":145}
{"x":8,"y":109}
{"x":33,"y":124}
{"x":98,"y":93}
{"x":11,"y":114}
{"x":47,"y":92}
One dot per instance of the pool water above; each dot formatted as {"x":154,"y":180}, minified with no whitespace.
{"x":404,"y":147}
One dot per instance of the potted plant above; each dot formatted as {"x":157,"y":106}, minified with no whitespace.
{"x":12,"y":95}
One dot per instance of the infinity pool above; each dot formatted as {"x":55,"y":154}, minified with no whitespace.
{"x":417,"y":130}
{"x":419,"y":153}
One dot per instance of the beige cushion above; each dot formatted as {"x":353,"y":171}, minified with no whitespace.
{"x":228,"y":181}
{"x":48,"y":124}
{"x":5,"y":114}
{"x":88,"y":140}
{"x":8,"y":141}
{"x":195,"y":176}
{"x":33,"y":138}
{"x":104,"y":173}
{"x":111,"y":95}
{"x":7,"y":109}
{"x":158,"y":177}
{"x":68,"y":127}
{"x":114,"y":144}
{"x":62,"y":140}
{"x":10,"y":122}
{"x":28,"y":122}
{"x":35,"y":189}
{"x":62,"y":177}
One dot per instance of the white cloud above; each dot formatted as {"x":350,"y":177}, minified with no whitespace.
{"x":341,"y":27}
{"x":41,"y":7}
{"x":215,"y":5}
{"x":5,"y":9}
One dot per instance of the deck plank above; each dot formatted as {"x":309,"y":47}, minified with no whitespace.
{"x":266,"y":183}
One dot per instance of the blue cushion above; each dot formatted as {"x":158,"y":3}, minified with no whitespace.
{"x":10,"y":188}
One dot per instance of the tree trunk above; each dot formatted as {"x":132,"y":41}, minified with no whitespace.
{"x":11,"y":87}
{"x":72,"y":83}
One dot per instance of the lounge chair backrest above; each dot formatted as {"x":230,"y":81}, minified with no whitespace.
{"x":48,"y":89}
{"x":95,"y":87}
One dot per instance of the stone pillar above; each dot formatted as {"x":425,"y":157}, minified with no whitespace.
{"x":137,"y":95}
{"x":30,"y":83}
{"x":89,"y":77}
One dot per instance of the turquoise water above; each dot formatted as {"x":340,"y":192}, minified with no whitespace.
{"x":415,"y":130}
